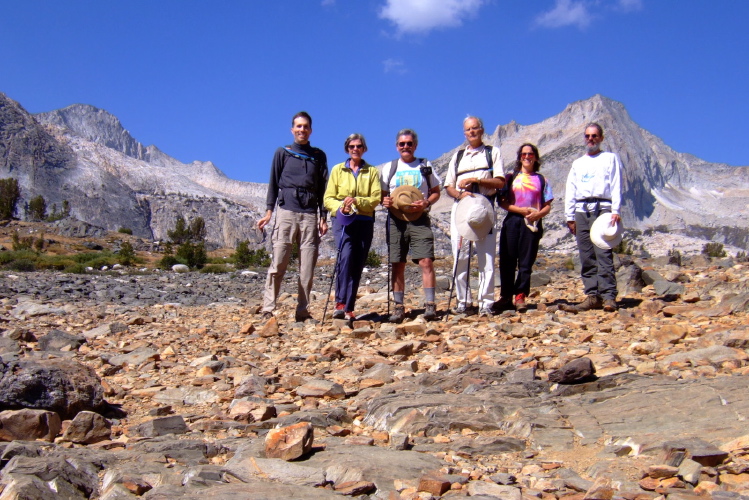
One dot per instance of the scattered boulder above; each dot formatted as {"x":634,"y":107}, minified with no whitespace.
{"x":60,"y":385}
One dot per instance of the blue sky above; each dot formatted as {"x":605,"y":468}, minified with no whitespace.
{"x":220,"y":80}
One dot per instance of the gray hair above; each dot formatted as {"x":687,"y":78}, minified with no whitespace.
{"x":354,"y":137}
{"x":407,"y":131}
{"x":595,"y":125}
{"x":469,"y":117}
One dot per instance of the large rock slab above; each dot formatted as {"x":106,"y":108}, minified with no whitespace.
{"x":60,"y":385}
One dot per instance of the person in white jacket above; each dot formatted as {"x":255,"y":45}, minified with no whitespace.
{"x":593,"y":188}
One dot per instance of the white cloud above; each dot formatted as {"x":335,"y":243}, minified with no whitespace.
{"x":565,"y":13}
{"x":422,"y":16}
{"x":394,"y":66}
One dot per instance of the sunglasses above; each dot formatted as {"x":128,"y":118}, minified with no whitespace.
{"x":356,"y":146}
{"x":405,"y":143}
{"x":527,"y":154}
{"x":591,"y":136}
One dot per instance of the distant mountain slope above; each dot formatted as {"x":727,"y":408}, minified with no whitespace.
{"x":85,"y":156}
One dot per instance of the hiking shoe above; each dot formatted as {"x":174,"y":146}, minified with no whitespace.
{"x":460,"y":308}
{"x":349,"y":315}
{"x":591,"y":302}
{"x":339,"y":312}
{"x":266,"y":315}
{"x":520,"y":305}
{"x":503,"y":304}
{"x":301,"y":317}
{"x":485,"y":312}
{"x":430,"y":313}
{"x":609,"y":305}
{"x":399,"y":314}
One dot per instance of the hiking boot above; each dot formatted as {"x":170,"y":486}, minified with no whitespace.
{"x":430,"y":313}
{"x":350,"y":316}
{"x":591,"y":302}
{"x":520,"y":305}
{"x":301,"y":317}
{"x":503,"y":304}
{"x":460,"y":308}
{"x":266,"y":315}
{"x":609,"y":305}
{"x":339,"y":312}
{"x":485,"y":312}
{"x":399,"y":314}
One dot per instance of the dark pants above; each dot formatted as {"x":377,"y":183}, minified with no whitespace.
{"x":518,"y":248}
{"x":599,"y":277}
{"x":353,"y":241}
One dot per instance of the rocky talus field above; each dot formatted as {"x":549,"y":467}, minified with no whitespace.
{"x":162,"y":385}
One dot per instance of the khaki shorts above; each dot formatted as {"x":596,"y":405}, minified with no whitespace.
{"x":414,"y":237}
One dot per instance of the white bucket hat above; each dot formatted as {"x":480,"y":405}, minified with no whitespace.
{"x":474,"y":217}
{"x":603,"y":234}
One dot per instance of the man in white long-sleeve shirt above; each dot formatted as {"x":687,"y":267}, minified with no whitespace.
{"x":593,"y":188}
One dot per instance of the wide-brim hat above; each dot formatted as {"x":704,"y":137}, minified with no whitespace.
{"x":345,"y":219}
{"x":474,"y":217}
{"x":603,"y":234}
{"x":404,"y":196}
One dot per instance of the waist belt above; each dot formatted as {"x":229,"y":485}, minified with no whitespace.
{"x":597,"y":201}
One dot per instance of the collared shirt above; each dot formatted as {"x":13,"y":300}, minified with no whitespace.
{"x":474,"y":164}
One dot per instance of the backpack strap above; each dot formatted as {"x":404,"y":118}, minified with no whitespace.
{"x":422,"y":165}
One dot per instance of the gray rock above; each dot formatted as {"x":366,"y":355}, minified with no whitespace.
{"x":60,"y":385}
{"x":29,"y":425}
{"x":57,"y":339}
{"x":666,"y":288}
{"x":576,"y":371}
{"x":162,"y":426}
{"x":88,"y":428}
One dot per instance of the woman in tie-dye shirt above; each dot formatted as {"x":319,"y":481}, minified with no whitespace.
{"x":528,"y":199}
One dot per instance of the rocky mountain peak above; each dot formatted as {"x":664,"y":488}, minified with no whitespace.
{"x":97,"y":126}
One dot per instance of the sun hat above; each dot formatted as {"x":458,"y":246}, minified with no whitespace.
{"x":533,"y":226}
{"x":603,"y":234}
{"x":345,"y":219}
{"x":404,"y":196}
{"x":474,"y":217}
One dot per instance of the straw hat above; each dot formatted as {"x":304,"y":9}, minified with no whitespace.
{"x":403,"y":197}
{"x":603,"y":234}
{"x":474,"y":217}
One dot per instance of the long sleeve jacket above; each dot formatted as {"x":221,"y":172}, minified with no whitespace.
{"x":364,"y":188}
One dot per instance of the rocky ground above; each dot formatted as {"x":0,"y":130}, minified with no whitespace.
{"x":166,"y":385}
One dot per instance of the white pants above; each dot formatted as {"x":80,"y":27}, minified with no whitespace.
{"x":486,"y":251}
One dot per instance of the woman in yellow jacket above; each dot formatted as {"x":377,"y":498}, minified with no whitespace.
{"x":352,"y":194}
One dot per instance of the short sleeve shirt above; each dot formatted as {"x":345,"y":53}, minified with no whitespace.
{"x":526,"y":190}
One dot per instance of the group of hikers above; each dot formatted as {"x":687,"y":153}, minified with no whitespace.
{"x":303,"y":192}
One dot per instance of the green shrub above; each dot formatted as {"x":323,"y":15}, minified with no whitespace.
{"x":622,"y":248}
{"x":373,"y":259}
{"x":19,"y":243}
{"x":193,"y":255}
{"x":167,"y":262}
{"x":125,"y":230}
{"x":22,"y":265}
{"x":674,"y":257}
{"x":742,"y":257}
{"x":569,"y":264}
{"x":714,"y":249}
{"x":75,"y":269}
{"x":215,"y":269}
{"x":9,"y":195}
{"x":126,"y":255}
{"x":243,"y":257}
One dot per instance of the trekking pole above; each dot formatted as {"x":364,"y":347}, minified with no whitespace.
{"x":390,"y":267}
{"x":455,"y":275}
